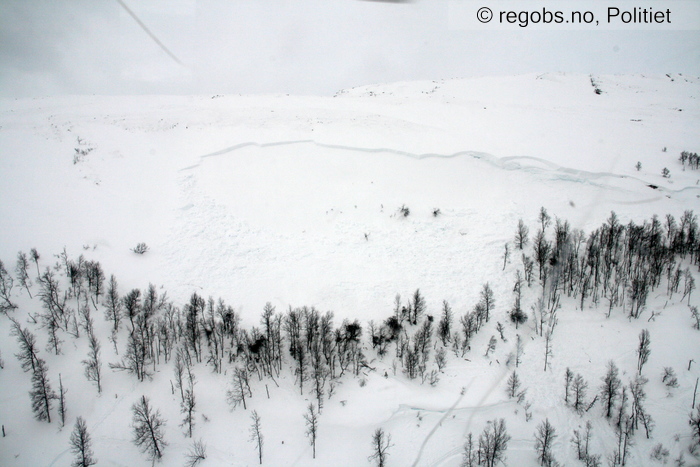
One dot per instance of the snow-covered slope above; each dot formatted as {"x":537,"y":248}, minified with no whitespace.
{"x":296,"y":179}
{"x":295,"y":201}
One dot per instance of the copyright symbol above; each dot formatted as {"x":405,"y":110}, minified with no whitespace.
{"x":484,"y":14}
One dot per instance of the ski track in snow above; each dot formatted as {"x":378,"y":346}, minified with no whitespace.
{"x":510,"y":163}
{"x":447,"y":456}
{"x":479,"y":406}
{"x":439,"y":424}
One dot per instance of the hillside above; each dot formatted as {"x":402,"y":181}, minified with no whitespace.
{"x":296,"y":201}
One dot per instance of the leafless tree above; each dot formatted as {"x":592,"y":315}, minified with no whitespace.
{"x":610,"y":389}
{"x":22,"y":271}
{"x":113,"y":305}
{"x":500,"y":328}
{"x":6,"y":283}
{"x":513,"y":387}
{"x":625,"y":440}
{"x":506,"y":255}
{"x":49,"y":321}
{"x":62,"y":410}
{"x":187,"y":408}
{"x":579,"y":389}
{"x":543,"y":248}
{"x":441,"y":358}
{"x":301,"y":370}
{"x":581,"y":441}
{"x":381,"y":442}
{"x":81,"y":445}
{"x":42,"y":395}
{"x":493,"y":443}
{"x":639,"y":413}
{"x":411,"y":361}
{"x":470,"y":454}
{"x":544,"y":219}
{"x":132,"y":306}
{"x":517,"y":315}
{"x":95,"y":277}
{"x":27,"y":355}
{"x":256,"y":434}
{"x":689,"y":285}
{"x":638,"y":292}
{"x":547,"y":349}
{"x":179,"y":370}
{"x":519,"y":350}
{"x":544,"y":437}
{"x":54,"y":301}
{"x":319,"y":375}
{"x":521,"y":235}
{"x":136,"y":359}
{"x":568,"y":378}
{"x":311,"y":419}
{"x":696,"y":316}
{"x":417,"y":307}
{"x":491,"y":346}
{"x":694,"y":422}
{"x":445,"y":323}
{"x":34,"y":256}
{"x":196,"y":455}
{"x":240,"y":388}
{"x":148,"y":426}
{"x":643,"y":350}
{"x":93,"y":365}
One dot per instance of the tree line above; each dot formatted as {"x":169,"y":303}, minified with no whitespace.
{"x":616,"y":264}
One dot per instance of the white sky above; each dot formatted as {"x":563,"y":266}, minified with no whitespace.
{"x":294,"y":46}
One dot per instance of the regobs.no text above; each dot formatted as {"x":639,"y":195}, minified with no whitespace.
{"x":611,"y":16}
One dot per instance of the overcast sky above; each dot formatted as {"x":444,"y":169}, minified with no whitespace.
{"x":50,"y":47}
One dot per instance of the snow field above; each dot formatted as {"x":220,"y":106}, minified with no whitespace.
{"x":269,"y":198}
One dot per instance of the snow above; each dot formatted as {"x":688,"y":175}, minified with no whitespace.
{"x":295,"y":200}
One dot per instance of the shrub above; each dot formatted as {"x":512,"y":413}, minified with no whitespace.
{"x":140,"y":249}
